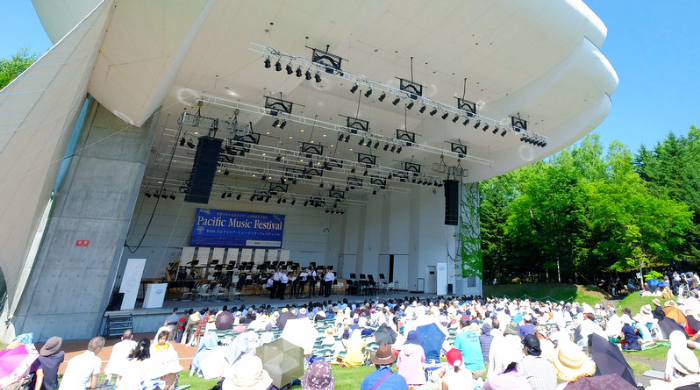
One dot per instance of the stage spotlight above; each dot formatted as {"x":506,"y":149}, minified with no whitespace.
{"x":376,"y":144}
{"x":229,"y":195}
{"x":399,"y":150}
{"x":374,"y":192}
{"x":396,"y":101}
{"x":455,"y":119}
{"x":354,"y":88}
{"x":366,"y":173}
{"x":284,"y":123}
{"x":182,"y":141}
{"x":267,"y":62}
{"x":362,"y":141}
{"x":386,"y":147}
{"x":279,"y":200}
{"x":445,"y":115}
{"x":252,"y":197}
{"x":238,"y":197}
{"x":278,"y":66}
{"x":433,"y":112}
{"x":267,"y":199}
{"x":317,"y":77}
{"x":347,"y":138}
{"x":306,"y":203}
{"x":503,"y":134}
{"x":276,"y":123}
{"x":466,"y":121}
{"x":422,"y":109}
{"x":369,"y":143}
{"x":223,"y":195}
{"x":307,"y":74}
{"x":190,"y":144}
{"x":293,"y":201}
{"x":289,"y":69}
{"x":172,"y":196}
{"x":495,"y":130}
{"x":486,"y":127}
{"x":226,"y":172}
{"x":393,"y":148}
{"x":147,"y":194}
{"x":340,"y":137}
{"x":382,"y":97}
{"x":294,"y":181}
{"x":320,"y":185}
{"x":477,"y":124}
{"x":409,"y":105}
{"x":278,"y":158}
{"x":352,"y":170}
{"x":368,"y":92}
{"x":299,"y":72}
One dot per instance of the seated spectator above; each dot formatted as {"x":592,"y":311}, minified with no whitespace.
{"x":120,"y":353}
{"x":247,"y":374}
{"x":410,"y":359}
{"x":240,"y":326}
{"x":456,"y":376}
{"x":467,"y":341}
{"x":137,"y":367}
{"x":355,"y":357}
{"x":82,"y":370}
{"x":45,"y":368}
{"x":629,"y":334}
{"x":538,"y":371}
{"x":485,"y":339}
{"x":504,"y":374}
{"x":206,"y":346}
{"x":383,"y":377}
{"x":571,"y":363}
{"x":319,"y":377}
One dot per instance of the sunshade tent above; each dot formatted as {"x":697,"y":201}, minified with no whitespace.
{"x":283,"y":360}
{"x":302,"y":332}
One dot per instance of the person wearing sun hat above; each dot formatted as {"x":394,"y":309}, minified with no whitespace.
{"x":505,"y":372}
{"x":45,"y":368}
{"x":682,"y":368}
{"x":383,"y":378}
{"x":319,"y":377}
{"x":247,"y":374}
{"x":571,"y":363}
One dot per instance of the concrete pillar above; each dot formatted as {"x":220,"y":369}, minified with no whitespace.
{"x":70,"y":285}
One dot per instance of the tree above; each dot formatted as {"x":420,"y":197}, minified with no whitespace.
{"x":13,"y":67}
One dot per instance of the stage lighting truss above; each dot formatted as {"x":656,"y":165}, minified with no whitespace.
{"x":356,"y":123}
{"x":458,"y":148}
{"x":407,"y":88}
{"x":405,"y":135}
{"x":354,"y":182}
{"x":309,"y":149}
{"x":378,"y":181}
{"x":276,"y":105}
{"x":336,"y":194}
{"x":410,"y":167}
{"x":276,"y":188}
{"x":367,"y":159}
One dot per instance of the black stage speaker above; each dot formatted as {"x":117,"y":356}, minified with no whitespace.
{"x":204,"y":169}
{"x":451,"y":202}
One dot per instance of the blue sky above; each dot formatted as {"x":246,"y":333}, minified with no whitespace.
{"x":654,"y":47}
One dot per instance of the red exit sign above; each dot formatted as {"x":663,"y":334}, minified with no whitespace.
{"x":82,"y":243}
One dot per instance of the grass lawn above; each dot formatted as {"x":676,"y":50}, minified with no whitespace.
{"x":548,"y":291}
{"x":635,"y":302}
{"x":345,"y":378}
{"x":658,"y":353}
{"x":639,"y":368}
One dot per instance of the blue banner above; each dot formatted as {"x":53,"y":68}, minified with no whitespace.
{"x":224,"y":228}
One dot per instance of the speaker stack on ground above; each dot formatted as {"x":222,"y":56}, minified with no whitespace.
{"x":451,"y":202}
{"x":206,"y":161}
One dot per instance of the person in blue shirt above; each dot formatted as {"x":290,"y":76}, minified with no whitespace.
{"x":384,"y":378}
{"x":467,"y":341}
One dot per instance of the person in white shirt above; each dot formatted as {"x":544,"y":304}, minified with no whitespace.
{"x":282,"y":289}
{"x":301,"y":282}
{"x":83,"y":370}
{"x":328,"y":279}
{"x":120,"y":354}
{"x":275,"y":284}
{"x":312,"y":282}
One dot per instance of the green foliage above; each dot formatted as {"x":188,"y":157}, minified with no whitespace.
{"x":470,"y":250}
{"x":584,"y":212}
{"x":13,"y":67}
{"x":652,"y":275}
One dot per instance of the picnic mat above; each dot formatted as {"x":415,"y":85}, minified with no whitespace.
{"x":644,"y":347}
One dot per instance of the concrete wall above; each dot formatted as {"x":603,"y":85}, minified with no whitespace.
{"x":70,"y":285}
